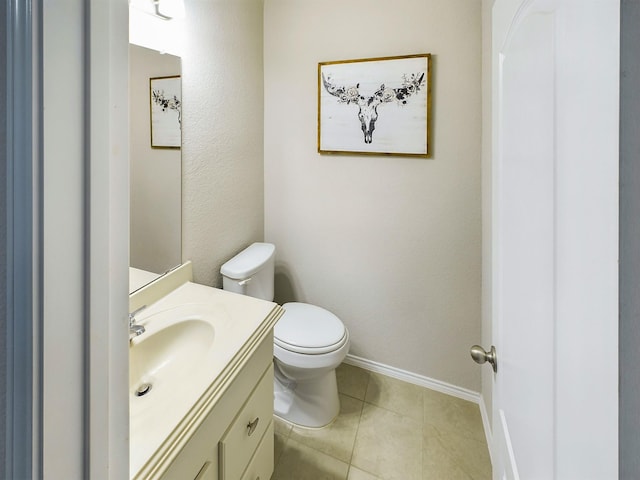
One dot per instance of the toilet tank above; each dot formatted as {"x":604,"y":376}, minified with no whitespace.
{"x":251,"y":271}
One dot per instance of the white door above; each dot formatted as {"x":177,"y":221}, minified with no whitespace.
{"x":554,"y":234}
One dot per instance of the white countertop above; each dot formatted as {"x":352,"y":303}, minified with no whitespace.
{"x":164,"y":414}
{"x":139,"y":278}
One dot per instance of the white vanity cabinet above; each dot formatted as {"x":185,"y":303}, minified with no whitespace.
{"x":206,"y":360}
{"x":261,"y":466}
{"x":235,"y":439}
{"x":243,"y":437}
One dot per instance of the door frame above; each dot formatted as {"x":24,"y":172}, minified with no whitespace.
{"x":66,"y":135}
{"x":85,"y":224}
{"x":19,"y":444}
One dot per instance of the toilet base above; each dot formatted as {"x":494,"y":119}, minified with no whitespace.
{"x":310,"y":403}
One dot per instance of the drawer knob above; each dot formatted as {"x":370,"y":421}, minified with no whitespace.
{"x":251,"y":426}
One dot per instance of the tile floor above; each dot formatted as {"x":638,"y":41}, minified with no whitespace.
{"x":387,"y":430}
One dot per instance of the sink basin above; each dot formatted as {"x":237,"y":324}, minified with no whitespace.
{"x":168,"y":355}
{"x":177,"y":347}
{"x":195,"y":337}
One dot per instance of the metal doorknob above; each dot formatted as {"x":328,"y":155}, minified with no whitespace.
{"x":480,"y":355}
{"x":251,"y":426}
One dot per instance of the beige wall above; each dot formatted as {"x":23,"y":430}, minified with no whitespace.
{"x":391,"y":245}
{"x":155,"y":206}
{"x":223,"y":133}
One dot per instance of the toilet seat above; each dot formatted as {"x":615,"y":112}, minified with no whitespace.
{"x":309,"y":329}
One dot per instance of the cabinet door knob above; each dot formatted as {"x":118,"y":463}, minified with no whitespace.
{"x":251,"y":426}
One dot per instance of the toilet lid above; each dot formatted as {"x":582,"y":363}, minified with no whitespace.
{"x":309,"y":329}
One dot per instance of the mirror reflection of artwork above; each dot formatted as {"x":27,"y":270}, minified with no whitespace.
{"x":166,"y":112}
{"x":155,"y":214}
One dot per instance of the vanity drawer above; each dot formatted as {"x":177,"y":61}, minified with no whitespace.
{"x":241,"y":440}
{"x":261,"y":466}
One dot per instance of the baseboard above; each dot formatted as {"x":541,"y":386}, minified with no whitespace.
{"x":416,"y":379}
{"x":487,"y":426}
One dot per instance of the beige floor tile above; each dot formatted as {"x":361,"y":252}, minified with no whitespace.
{"x":437,"y":463}
{"x":468,"y":454}
{"x":448,"y":413}
{"x":299,"y":462}
{"x":336,"y":439}
{"x":279,"y":443}
{"x":282,"y":430}
{"x":357,"y":474}
{"x":281,"y":427}
{"x":401,"y":397}
{"x":388,"y":445}
{"x":352,"y":380}
{"x":400,"y":432}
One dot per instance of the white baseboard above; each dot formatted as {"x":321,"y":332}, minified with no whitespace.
{"x":487,"y":426}
{"x":416,"y":379}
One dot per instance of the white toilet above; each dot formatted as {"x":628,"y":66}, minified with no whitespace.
{"x":309,"y":342}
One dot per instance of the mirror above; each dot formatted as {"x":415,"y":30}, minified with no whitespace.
{"x":155,"y":174}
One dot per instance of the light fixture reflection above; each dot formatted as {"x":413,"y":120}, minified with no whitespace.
{"x":162,"y":9}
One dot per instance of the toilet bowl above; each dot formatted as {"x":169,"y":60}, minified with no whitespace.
{"x":309,"y":342}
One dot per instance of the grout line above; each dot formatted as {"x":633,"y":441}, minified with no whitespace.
{"x":286,"y":441}
{"x":461,"y":465}
{"x":351,"y":396}
{"x":394,"y":412}
{"x":355,"y":439}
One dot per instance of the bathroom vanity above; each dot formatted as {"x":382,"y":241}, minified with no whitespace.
{"x":201,"y":383}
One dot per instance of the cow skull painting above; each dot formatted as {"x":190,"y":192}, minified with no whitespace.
{"x":391,"y":97}
{"x":368,"y":105}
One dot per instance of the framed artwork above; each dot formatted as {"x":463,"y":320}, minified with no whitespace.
{"x":375,"y":106}
{"x":166,"y":112}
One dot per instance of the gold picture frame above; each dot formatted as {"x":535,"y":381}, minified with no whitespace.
{"x":375,"y":106}
{"x":165,"y":99}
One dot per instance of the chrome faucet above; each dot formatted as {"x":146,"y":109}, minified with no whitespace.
{"x":135,"y":330}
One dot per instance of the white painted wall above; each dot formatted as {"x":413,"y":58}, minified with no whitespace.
{"x":391,"y":245}
{"x":155,"y":183}
{"x":222,"y":150}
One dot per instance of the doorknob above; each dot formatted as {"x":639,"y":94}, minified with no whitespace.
{"x":479,"y":355}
